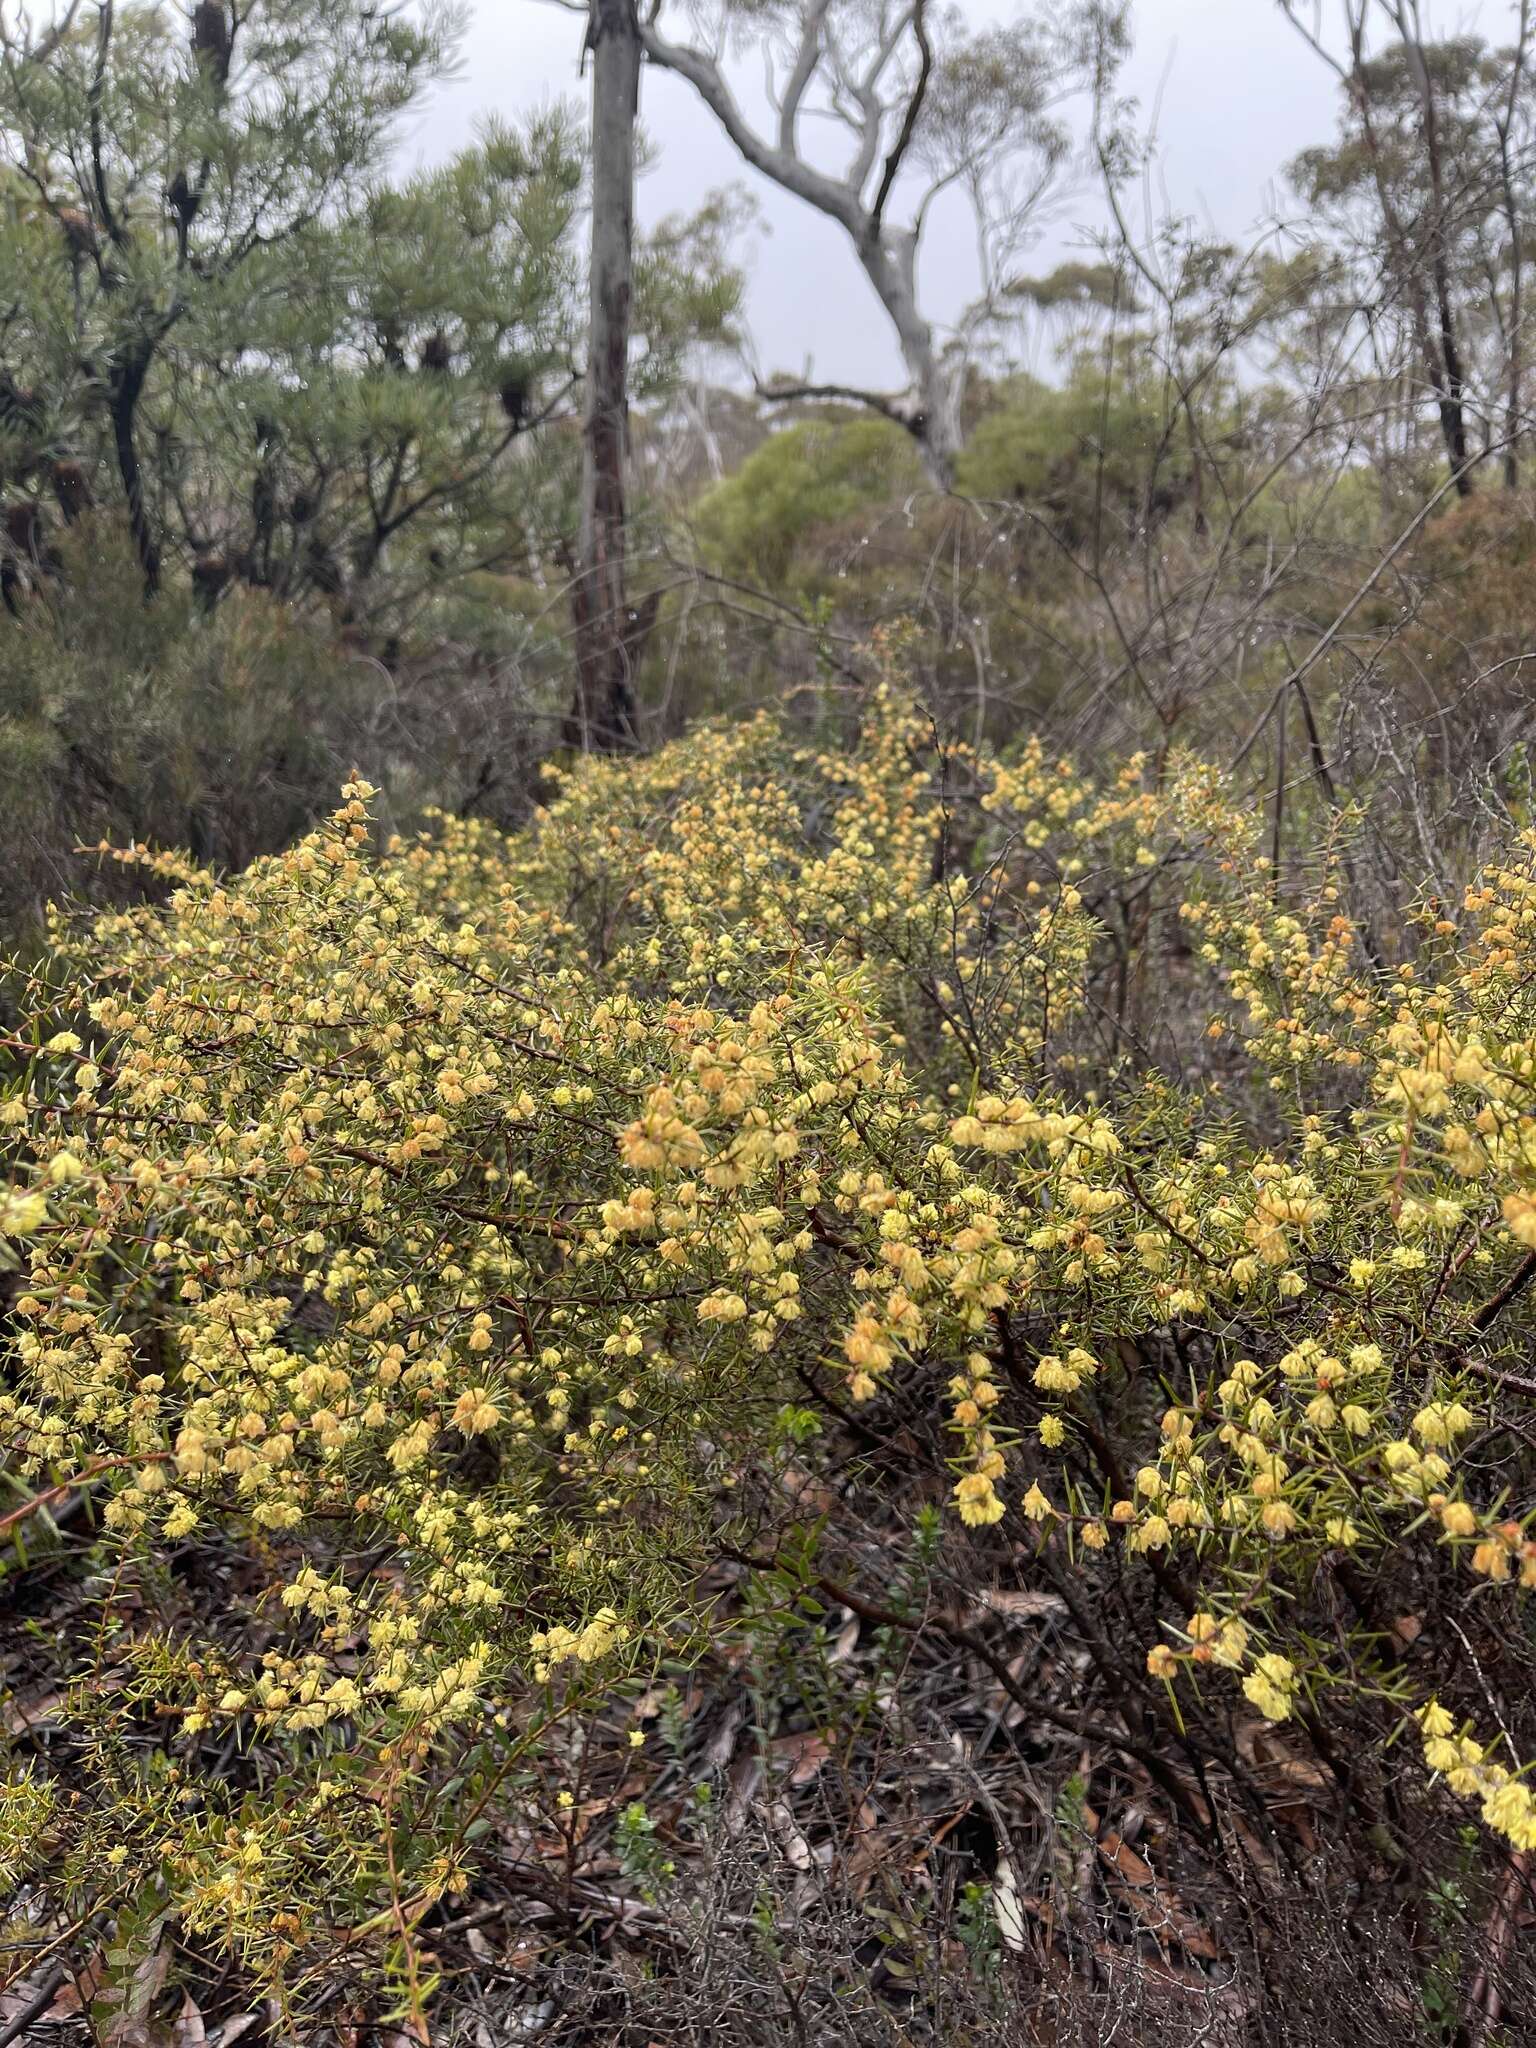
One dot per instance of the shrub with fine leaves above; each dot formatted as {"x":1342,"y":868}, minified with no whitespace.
{"x":441,"y":1226}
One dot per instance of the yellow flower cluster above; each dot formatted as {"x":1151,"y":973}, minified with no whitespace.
{"x":445,"y":1221}
{"x":1508,"y":1805}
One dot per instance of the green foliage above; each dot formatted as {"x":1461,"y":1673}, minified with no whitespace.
{"x":123,"y":721}
{"x":1341,"y":510}
{"x":687,"y":290}
{"x":283,"y":366}
{"x":226,"y":733}
{"x":642,"y":1856}
{"x":802,"y":481}
{"x":1085,"y":451}
{"x":172,"y":182}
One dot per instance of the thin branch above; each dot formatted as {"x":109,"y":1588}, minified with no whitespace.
{"x":1310,"y":661}
{"x":109,"y":219}
{"x":784,"y":166}
{"x":890,"y":408}
{"x":807,"y":58}
{"x":912,"y":116}
{"x":27,"y":52}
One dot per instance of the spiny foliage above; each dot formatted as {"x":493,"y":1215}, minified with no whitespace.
{"x":442,"y":1227}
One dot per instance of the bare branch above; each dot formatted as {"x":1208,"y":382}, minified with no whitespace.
{"x":1314,"y":41}
{"x":784,"y":166}
{"x":882,"y":85}
{"x":865,"y":90}
{"x":109,"y":219}
{"x":807,"y":58}
{"x":20,"y":48}
{"x":913,"y":114}
{"x":851,"y":394}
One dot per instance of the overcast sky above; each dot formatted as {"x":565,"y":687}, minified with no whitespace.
{"x":1236,"y":94}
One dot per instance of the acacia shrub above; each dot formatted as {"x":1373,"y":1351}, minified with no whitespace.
{"x":440,"y":1226}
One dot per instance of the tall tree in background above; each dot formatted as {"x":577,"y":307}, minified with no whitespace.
{"x":925,"y":107}
{"x":378,"y":420}
{"x":164,"y":163}
{"x":288,"y":370}
{"x":1429,"y":185}
{"x":608,"y":636}
{"x":651,"y":299}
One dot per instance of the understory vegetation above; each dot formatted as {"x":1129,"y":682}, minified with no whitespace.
{"x":498,"y":1296}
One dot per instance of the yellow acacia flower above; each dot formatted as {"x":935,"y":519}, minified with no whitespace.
{"x":21,"y":1212}
{"x":603,"y":1138}
{"x":977,"y":1500}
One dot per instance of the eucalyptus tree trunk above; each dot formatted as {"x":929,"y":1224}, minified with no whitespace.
{"x":602,"y":714}
{"x":889,"y":259}
{"x":856,"y":199}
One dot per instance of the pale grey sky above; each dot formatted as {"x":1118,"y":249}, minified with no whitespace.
{"x":1236,"y":94}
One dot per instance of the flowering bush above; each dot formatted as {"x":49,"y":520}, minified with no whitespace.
{"x":432,"y":1234}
